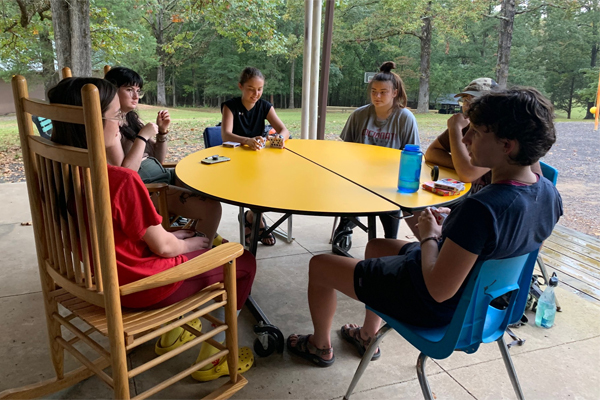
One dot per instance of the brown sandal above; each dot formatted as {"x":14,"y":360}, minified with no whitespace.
{"x":306,"y":350}
{"x":352,"y":335}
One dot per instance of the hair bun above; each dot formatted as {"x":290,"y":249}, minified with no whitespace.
{"x":387,"y":66}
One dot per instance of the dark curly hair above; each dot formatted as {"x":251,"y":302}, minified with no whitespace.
{"x":520,"y":113}
{"x":121,"y":76}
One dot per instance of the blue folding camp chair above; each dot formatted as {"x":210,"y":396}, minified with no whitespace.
{"x":212,"y":137}
{"x":475,"y":320}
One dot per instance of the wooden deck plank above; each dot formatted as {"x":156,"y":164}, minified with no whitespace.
{"x":575,"y":257}
{"x":575,"y":273}
{"x":557,"y":258}
{"x":572,"y":233}
{"x":586,"y":254}
{"x":575,"y":285}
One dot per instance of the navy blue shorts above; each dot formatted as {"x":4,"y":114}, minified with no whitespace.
{"x":387,"y":285}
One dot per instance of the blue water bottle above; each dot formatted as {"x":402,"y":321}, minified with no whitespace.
{"x":410,"y":169}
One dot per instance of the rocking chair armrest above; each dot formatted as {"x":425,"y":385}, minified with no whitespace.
{"x":203,"y":263}
{"x":169,"y":164}
{"x":156,"y":187}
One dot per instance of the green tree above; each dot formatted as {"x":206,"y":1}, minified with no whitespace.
{"x":176,"y":23}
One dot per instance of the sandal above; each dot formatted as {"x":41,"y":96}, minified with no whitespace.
{"x":260,"y":231}
{"x":352,"y":335}
{"x":220,"y":367}
{"x":176,"y":337}
{"x":306,"y":350}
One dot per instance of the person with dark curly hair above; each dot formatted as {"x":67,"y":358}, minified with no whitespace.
{"x":144,"y":148}
{"x":448,"y":150}
{"x":420,"y":283}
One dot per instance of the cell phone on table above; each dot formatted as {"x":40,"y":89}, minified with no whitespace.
{"x":214,"y":159}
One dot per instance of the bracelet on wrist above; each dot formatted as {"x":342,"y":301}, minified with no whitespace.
{"x":161,"y":139}
{"x":430,"y":238}
{"x":141,"y":137}
{"x":163,"y":133}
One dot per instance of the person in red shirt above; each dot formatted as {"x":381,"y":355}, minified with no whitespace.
{"x":142,"y":246}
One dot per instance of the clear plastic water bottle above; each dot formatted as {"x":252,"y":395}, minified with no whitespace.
{"x":409,"y":175}
{"x":546,"y":307}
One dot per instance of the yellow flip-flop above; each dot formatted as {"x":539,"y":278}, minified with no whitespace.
{"x":245,"y":361}
{"x":176,"y":337}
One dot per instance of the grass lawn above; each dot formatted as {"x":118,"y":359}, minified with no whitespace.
{"x":189,"y":123}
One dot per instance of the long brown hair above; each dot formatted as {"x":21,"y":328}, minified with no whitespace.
{"x":68,"y":91}
{"x":385,"y":74}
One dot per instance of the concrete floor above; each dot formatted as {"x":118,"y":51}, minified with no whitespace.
{"x":562,"y":362}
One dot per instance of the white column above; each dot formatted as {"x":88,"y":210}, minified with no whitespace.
{"x":314,"y":70}
{"x":308,"y":16}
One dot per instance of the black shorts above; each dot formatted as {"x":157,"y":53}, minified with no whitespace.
{"x":387,"y":285}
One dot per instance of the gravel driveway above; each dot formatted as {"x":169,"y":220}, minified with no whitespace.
{"x":575,"y":155}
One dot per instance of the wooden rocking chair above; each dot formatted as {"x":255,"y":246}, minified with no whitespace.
{"x":68,"y":244}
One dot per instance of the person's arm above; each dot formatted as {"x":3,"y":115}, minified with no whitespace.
{"x":443,"y":271}
{"x":466,"y":171}
{"x":166,"y":244}
{"x":410,"y":132}
{"x":277,"y":124}
{"x":438,"y":155}
{"x":227,"y":131}
{"x":115,"y":154}
{"x":163,"y":121}
{"x":133,"y":157}
{"x":348,"y":134}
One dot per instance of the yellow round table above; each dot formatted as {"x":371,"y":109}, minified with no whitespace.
{"x":375,"y":168}
{"x":277,"y":180}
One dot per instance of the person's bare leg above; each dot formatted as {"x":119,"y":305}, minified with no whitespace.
{"x":377,"y":248}
{"x":183,"y":202}
{"x":250,"y":219}
{"x":327,"y":273}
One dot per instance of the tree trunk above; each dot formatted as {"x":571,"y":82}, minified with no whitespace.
{"x":71,"y":22}
{"x":193,"y":87}
{"x":423,"y":105}
{"x":590,"y":104}
{"x":572,"y":89}
{"x":161,"y":98}
{"x":174,"y":96}
{"x":62,"y":32}
{"x":292,"y":71}
{"x":81,"y":42}
{"x":47,"y":55}
{"x":504,"y":41}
